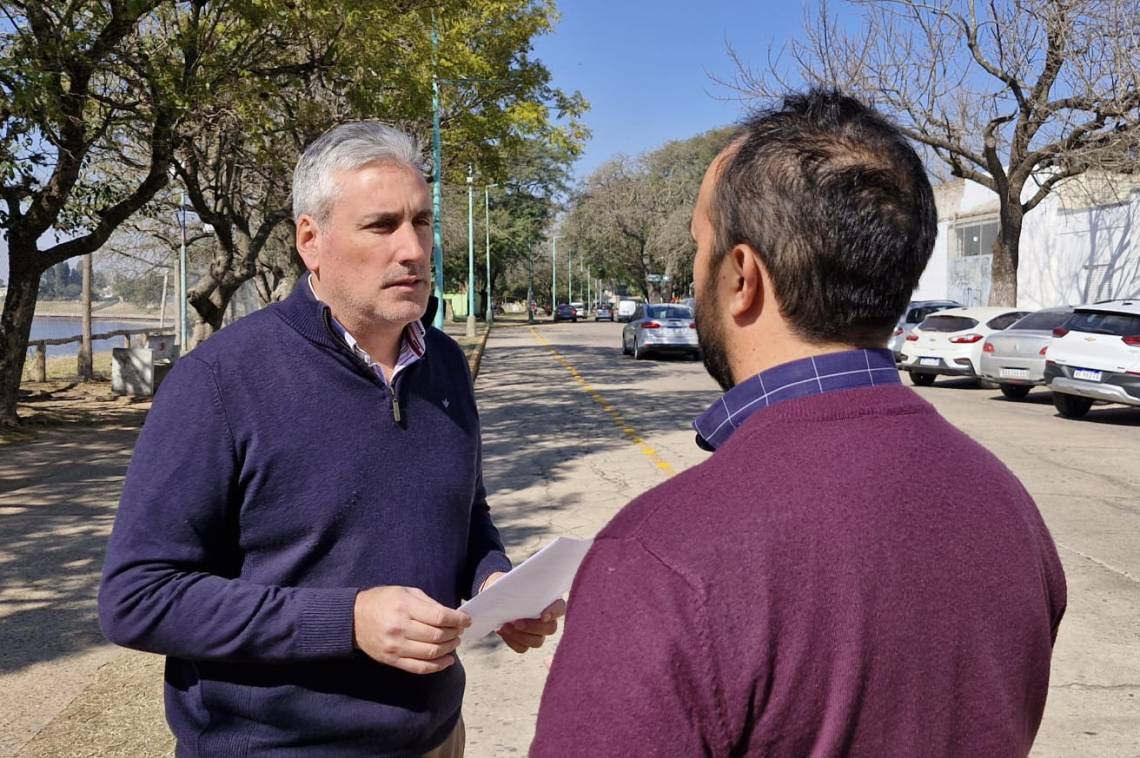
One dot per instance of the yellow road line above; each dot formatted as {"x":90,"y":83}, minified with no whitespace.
{"x":606,"y":406}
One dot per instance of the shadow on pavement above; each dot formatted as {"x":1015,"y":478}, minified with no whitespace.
{"x":57,"y":504}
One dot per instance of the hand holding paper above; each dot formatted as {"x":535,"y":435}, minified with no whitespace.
{"x":526,"y":592}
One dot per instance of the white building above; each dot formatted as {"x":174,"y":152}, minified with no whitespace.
{"x":1080,"y":245}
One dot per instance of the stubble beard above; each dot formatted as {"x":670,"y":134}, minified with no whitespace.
{"x":710,"y":336}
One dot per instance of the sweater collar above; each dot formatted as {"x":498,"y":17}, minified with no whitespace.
{"x":814,"y":375}
{"x":313,"y":319}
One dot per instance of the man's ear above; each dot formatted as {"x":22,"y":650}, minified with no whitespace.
{"x":307,"y":239}
{"x":747,"y":298}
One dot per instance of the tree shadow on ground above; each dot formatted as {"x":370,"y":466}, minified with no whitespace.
{"x":58,"y":496}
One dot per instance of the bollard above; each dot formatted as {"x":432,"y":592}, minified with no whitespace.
{"x":40,"y":366}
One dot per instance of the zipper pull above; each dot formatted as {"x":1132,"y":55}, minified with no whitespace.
{"x":395,"y":406}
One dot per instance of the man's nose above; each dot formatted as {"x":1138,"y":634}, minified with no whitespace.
{"x":410,"y":244}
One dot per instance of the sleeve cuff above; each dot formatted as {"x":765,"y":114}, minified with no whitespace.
{"x":327,"y":623}
{"x":492,"y":562}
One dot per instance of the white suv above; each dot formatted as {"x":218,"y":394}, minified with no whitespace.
{"x":1095,"y":355}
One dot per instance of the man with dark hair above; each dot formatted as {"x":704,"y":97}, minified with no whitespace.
{"x":795,"y":594}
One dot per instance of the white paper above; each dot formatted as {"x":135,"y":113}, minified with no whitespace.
{"x":527,"y":589}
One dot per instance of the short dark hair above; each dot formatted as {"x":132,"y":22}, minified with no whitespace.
{"x":839,"y":208}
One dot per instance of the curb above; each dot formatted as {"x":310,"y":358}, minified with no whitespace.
{"x":476,"y":358}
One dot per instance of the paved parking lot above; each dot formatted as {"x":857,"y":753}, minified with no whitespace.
{"x":573,"y":430}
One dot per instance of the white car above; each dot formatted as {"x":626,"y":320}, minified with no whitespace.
{"x":1095,"y":355}
{"x":950,"y":342}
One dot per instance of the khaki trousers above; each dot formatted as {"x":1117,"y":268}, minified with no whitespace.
{"x":453,"y":746}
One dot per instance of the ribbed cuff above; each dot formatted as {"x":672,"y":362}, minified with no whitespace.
{"x":491,"y":563}
{"x":327,"y":621}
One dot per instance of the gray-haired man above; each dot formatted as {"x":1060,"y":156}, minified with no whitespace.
{"x":305,"y":506}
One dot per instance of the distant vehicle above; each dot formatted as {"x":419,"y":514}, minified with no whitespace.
{"x":603,"y":312}
{"x":915,"y":312}
{"x":626,"y":309}
{"x":580,"y":308}
{"x":660,"y":329}
{"x":950,"y":342}
{"x":1095,"y":356}
{"x":1015,"y":358}
{"x":565,"y":312}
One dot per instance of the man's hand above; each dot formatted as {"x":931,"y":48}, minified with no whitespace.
{"x":524,"y":634}
{"x":403,"y":627}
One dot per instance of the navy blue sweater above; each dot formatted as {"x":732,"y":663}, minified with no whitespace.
{"x":274,"y":479}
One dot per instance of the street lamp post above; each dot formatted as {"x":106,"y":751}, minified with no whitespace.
{"x":569,"y":278}
{"x":530,"y":286}
{"x":470,"y":252}
{"x":182,"y":315}
{"x":487,"y":223}
{"x":553,"y":276}
{"x":437,"y":178}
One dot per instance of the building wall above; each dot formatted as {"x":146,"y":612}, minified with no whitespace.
{"x":1082,"y":244}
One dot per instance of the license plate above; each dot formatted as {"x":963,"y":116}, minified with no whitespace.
{"x":1014,"y":373}
{"x":1087,"y":374}
{"x":929,"y":361}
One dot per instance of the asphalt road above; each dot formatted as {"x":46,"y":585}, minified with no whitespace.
{"x":573,"y":430}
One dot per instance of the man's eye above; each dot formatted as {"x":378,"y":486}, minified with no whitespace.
{"x":423,"y":222}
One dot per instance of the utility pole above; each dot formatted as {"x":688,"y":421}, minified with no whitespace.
{"x":86,"y":370}
{"x":470,"y":251}
{"x":437,"y":178}
{"x":569,"y":277}
{"x":530,"y":286}
{"x":553,"y":276}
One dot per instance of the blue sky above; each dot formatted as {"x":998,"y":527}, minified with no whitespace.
{"x":645,"y":65}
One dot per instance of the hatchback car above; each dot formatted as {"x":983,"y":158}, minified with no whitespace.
{"x":565,"y":312}
{"x":915,"y":312}
{"x":660,"y":329}
{"x":1015,"y":358}
{"x":604,"y":312}
{"x":950,"y":342}
{"x":579,"y":308}
{"x":1095,"y":355}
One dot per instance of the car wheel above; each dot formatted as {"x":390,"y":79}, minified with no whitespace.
{"x":1015,"y":391}
{"x":1071,"y":406}
{"x":921,"y":379}
{"x":638,"y":353}
{"x":624,"y":346}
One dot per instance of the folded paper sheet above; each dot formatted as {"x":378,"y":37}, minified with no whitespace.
{"x":527,"y":589}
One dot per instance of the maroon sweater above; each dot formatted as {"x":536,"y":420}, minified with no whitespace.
{"x":848,"y":575}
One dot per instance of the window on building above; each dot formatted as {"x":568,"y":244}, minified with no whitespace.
{"x":976,"y":238}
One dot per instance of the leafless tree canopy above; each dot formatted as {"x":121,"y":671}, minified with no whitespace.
{"x":1016,"y":95}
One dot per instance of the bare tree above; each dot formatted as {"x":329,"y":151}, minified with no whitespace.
{"x":1016,"y":95}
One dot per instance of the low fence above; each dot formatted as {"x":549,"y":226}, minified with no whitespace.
{"x":39,"y":361}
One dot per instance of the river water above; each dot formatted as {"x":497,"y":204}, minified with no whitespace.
{"x":54,"y":327}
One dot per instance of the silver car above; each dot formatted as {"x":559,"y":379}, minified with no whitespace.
{"x":1015,"y":358}
{"x":916,"y":312}
{"x":660,"y":329}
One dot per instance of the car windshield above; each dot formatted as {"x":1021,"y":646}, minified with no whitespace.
{"x":1042,"y":321}
{"x":947,"y":324}
{"x":1099,"y":322}
{"x":668,"y":311}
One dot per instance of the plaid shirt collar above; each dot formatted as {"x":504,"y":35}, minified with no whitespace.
{"x":815,"y":375}
{"x":412,"y":343}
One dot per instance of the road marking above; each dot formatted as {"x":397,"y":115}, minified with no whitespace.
{"x":605,"y":405}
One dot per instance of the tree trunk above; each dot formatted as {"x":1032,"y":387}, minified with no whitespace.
{"x":15,"y":327}
{"x":1003,"y":271}
{"x":85,"y":361}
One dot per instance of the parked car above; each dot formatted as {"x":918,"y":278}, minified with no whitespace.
{"x":660,"y":329}
{"x":915,"y":312}
{"x":565,"y":312}
{"x":603,"y":312}
{"x":1015,"y":358}
{"x":579,"y":308}
{"x":1095,"y":355}
{"x":950,"y":342}
{"x":626,"y":309}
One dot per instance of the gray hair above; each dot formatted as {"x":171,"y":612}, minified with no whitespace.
{"x":347,"y":147}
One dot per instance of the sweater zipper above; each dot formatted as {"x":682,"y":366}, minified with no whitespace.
{"x":395,"y":390}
